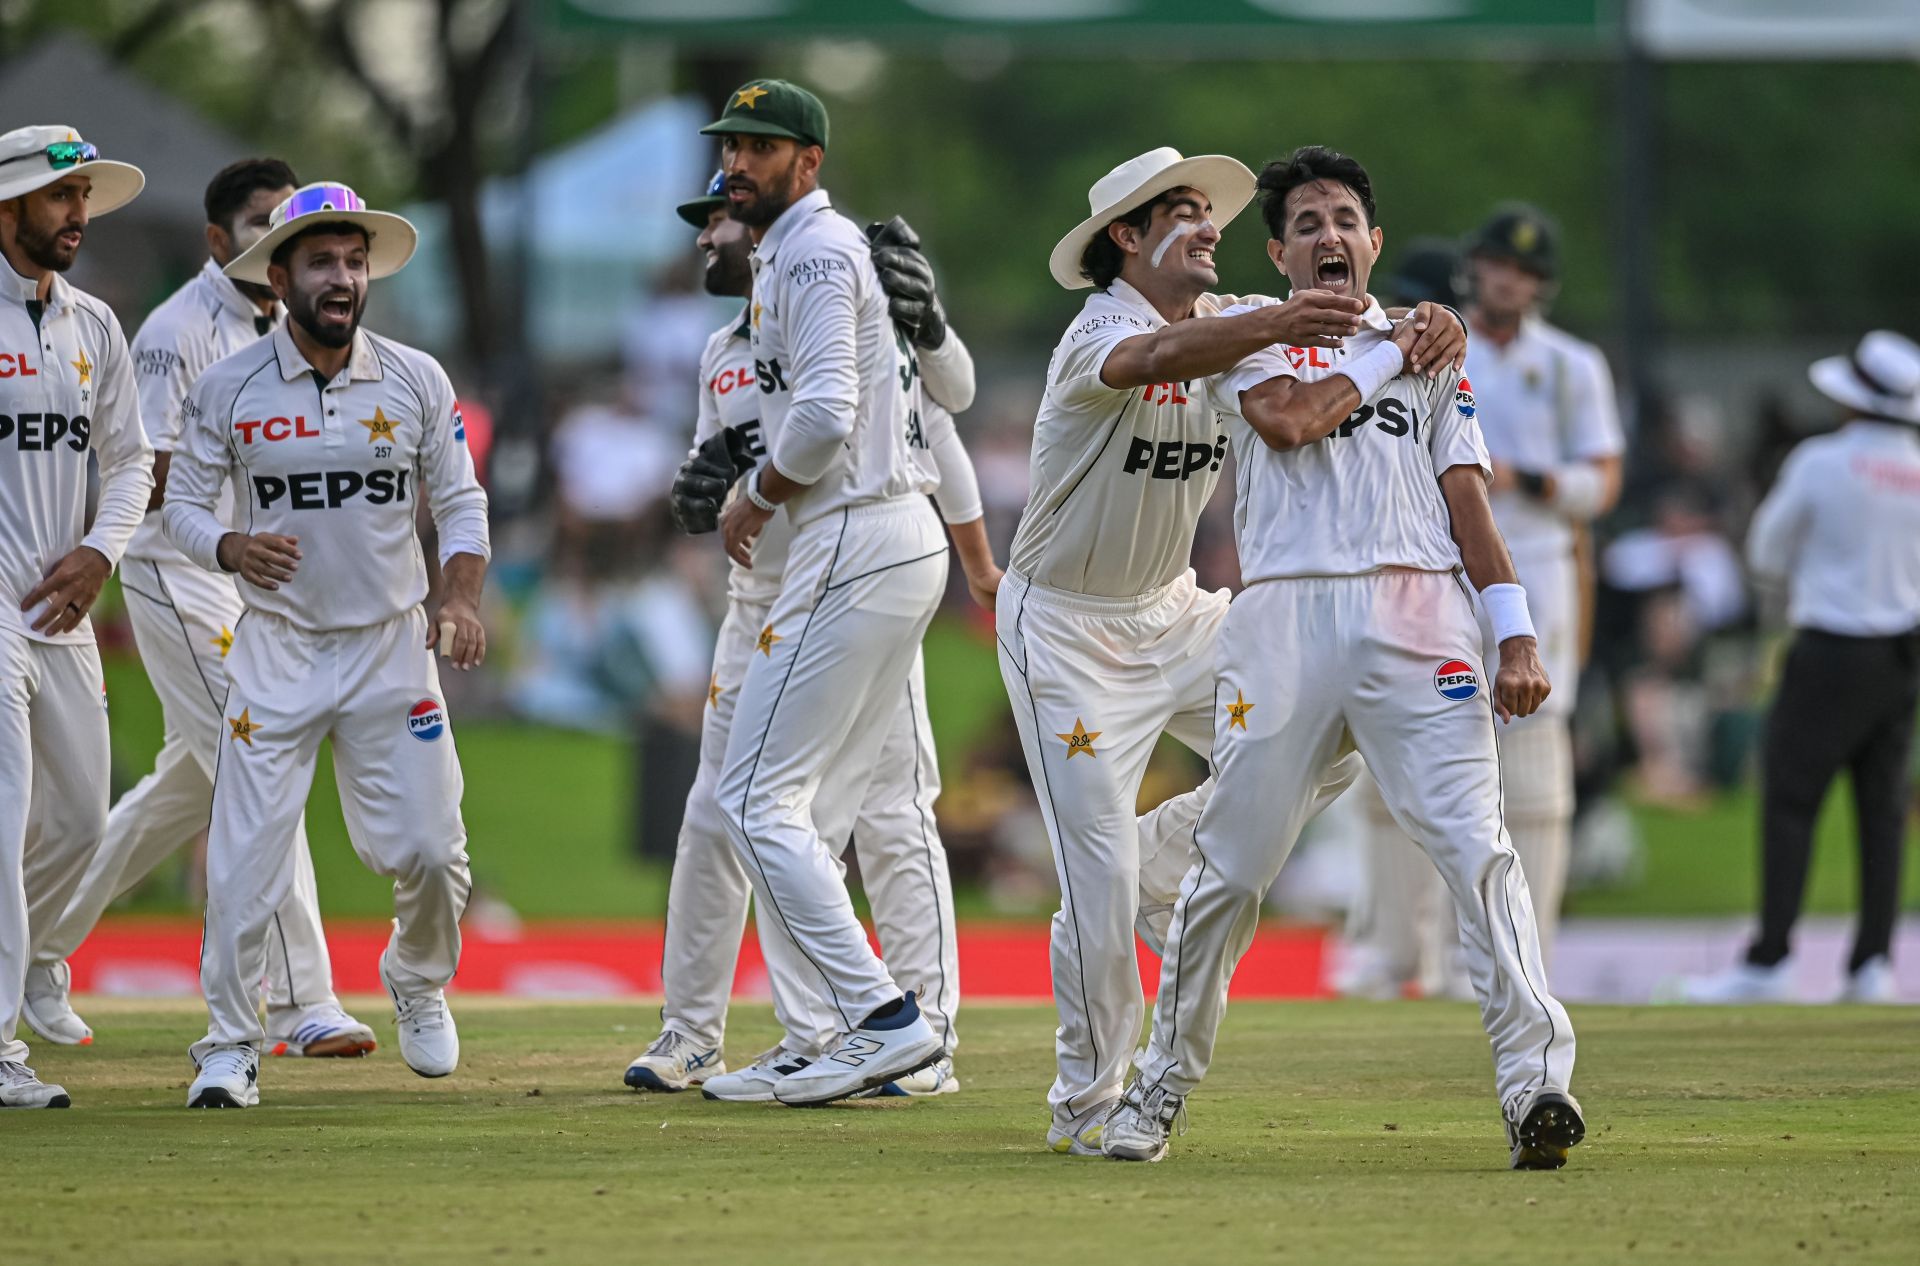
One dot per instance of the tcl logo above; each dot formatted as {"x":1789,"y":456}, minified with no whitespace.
{"x":1165,"y":393}
{"x":1311,"y":357}
{"x":15,"y":365}
{"x":728,"y":380}
{"x":273,"y":429}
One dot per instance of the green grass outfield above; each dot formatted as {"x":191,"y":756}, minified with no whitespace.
{"x":1331,"y":1132}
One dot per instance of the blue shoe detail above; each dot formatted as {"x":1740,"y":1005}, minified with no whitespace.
{"x":909,"y":1012}
{"x":647,"y":1079}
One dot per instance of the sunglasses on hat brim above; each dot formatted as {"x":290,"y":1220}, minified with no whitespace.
{"x":62,"y":154}
{"x":318,"y":200}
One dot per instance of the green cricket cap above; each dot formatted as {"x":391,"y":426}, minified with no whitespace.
{"x":773,"y":107}
{"x":697,"y":211}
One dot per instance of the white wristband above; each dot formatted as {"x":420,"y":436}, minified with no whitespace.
{"x":1577,"y":489}
{"x":1374,"y":369}
{"x":752,"y":487}
{"x":1507,"y":610}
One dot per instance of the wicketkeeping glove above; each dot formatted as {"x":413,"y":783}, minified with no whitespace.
{"x":907,"y":278}
{"x":701,"y":486}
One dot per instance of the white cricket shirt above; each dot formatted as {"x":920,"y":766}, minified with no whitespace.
{"x":1545,"y":399}
{"x":1364,"y":497}
{"x":203,"y":321}
{"x":1118,"y":476}
{"x":66,"y":390}
{"x":1842,"y":528}
{"x":837,"y":388}
{"x":338,"y":464}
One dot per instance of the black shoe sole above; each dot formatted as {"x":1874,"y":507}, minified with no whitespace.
{"x":215,"y":1097}
{"x":647,"y":1079}
{"x":60,"y":1101}
{"x":1551,"y":1128}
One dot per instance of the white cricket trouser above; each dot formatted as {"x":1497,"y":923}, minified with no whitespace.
{"x":903,"y":865}
{"x":53,"y":798}
{"x":1322,"y":660}
{"x":375,"y":692}
{"x":182,"y":617}
{"x":860,"y":587}
{"x":1400,"y":918}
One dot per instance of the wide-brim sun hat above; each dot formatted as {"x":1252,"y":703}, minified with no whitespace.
{"x":34,"y":157}
{"x":390,"y":238}
{"x":1226,"y":182}
{"x":1880,"y":377}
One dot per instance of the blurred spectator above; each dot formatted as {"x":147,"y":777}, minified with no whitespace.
{"x":661,"y":339}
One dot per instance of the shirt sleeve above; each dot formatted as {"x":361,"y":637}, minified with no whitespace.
{"x":821,"y":312}
{"x":1592,"y":412}
{"x":958,"y":496}
{"x":1780,"y":523}
{"x":120,"y":443}
{"x":1225,"y":389}
{"x":163,"y":375}
{"x":201,"y":464}
{"x":454,"y":496}
{"x":947,"y":373}
{"x":706,"y":418}
{"x":1074,"y":375}
{"x":1453,"y":427}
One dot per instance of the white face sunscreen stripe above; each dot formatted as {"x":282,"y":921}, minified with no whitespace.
{"x":1185,"y":229}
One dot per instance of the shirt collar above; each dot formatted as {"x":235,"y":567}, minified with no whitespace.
{"x":1375,"y":317}
{"x":24,"y":290}
{"x":363,"y":364}
{"x":783,"y":228}
{"x":228,"y":293}
{"x":1124,"y":294}
{"x":744,"y":329}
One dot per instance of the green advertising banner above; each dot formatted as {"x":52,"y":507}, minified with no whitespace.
{"x":1157,"y":23}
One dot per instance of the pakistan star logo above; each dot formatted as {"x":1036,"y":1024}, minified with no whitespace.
{"x":243,"y":727}
{"x":85,"y":367}
{"x":1080,"y":742}
{"x":378,"y":427}
{"x":224,"y":641}
{"x":749,"y":96}
{"x":715,"y":690}
{"x":1237,"y":711}
{"x":767,"y":638}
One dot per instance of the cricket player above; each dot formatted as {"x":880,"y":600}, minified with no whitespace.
{"x":865,"y":569}
{"x":66,"y":389}
{"x":183,"y":620}
{"x":1553,"y":432}
{"x":1106,"y":641}
{"x":329,"y":435}
{"x":1362,"y":496}
{"x":902,"y":861}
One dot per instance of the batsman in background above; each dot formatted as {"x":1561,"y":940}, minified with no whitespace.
{"x":329,"y":434}
{"x":183,"y":620}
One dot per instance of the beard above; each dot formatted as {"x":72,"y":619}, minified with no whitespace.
{"x":45,"y":249}
{"x":730,"y":275}
{"x":304,"y":309}
{"x":768,"y":204}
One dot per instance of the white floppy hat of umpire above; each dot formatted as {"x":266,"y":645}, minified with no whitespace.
{"x":390,"y":238}
{"x":1880,"y":377}
{"x":34,"y":157}
{"x":1225,"y":181}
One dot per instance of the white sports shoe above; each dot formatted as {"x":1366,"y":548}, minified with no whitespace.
{"x":673,"y":1063}
{"x":1081,"y":1136}
{"x":1741,"y":983}
{"x":1873,"y":983}
{"x":755,"y":1082}
{"x":877,"y":1052}
{"x":19,"y":1088}
{"x":47,"y":1009}
{"x":1140,"y":1124}
{"x":935,"y":1079}
{"x":428,"y":1040}
{"x":317,"y":1032}
{"x":229,"y":1078}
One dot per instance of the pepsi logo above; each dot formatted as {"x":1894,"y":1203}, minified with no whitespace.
{"x":1463,"y":398}
{"x":427,"y":720}
{"x":1456,"y":680}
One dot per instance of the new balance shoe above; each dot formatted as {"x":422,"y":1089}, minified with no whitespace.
{"x":1743,"y":982}
{"x":1141,"y":1123}
{"x":229,"y":1078}
{"x":47,"y":1008}
{"x":755,"y":1082}
{"x":1080,"y":1136}
{"x":19,"y":1088}
{"x":317,"y":1032}
{"x":1541,"y":1125}
{"x":935,"y":1079}
{"x":1872,"y":982}
{"x":673,"y":1063}
{"x":883,"y":1049}
{"x":429,"y":1042}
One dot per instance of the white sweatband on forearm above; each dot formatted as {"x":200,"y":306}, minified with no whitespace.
{"x":1507,"y":610}
{"x":1375,"y":369}
{"x":1578,"y":489}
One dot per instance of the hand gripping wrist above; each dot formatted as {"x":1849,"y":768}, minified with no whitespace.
{"x":1375,"y":369}
{"x":1507,"y":610}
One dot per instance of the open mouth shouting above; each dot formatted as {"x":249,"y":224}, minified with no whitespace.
{"x":337,"y":307}
{"x":1331,"y":271}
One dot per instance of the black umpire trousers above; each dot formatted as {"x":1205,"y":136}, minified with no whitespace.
{"x":1845,"y":703}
